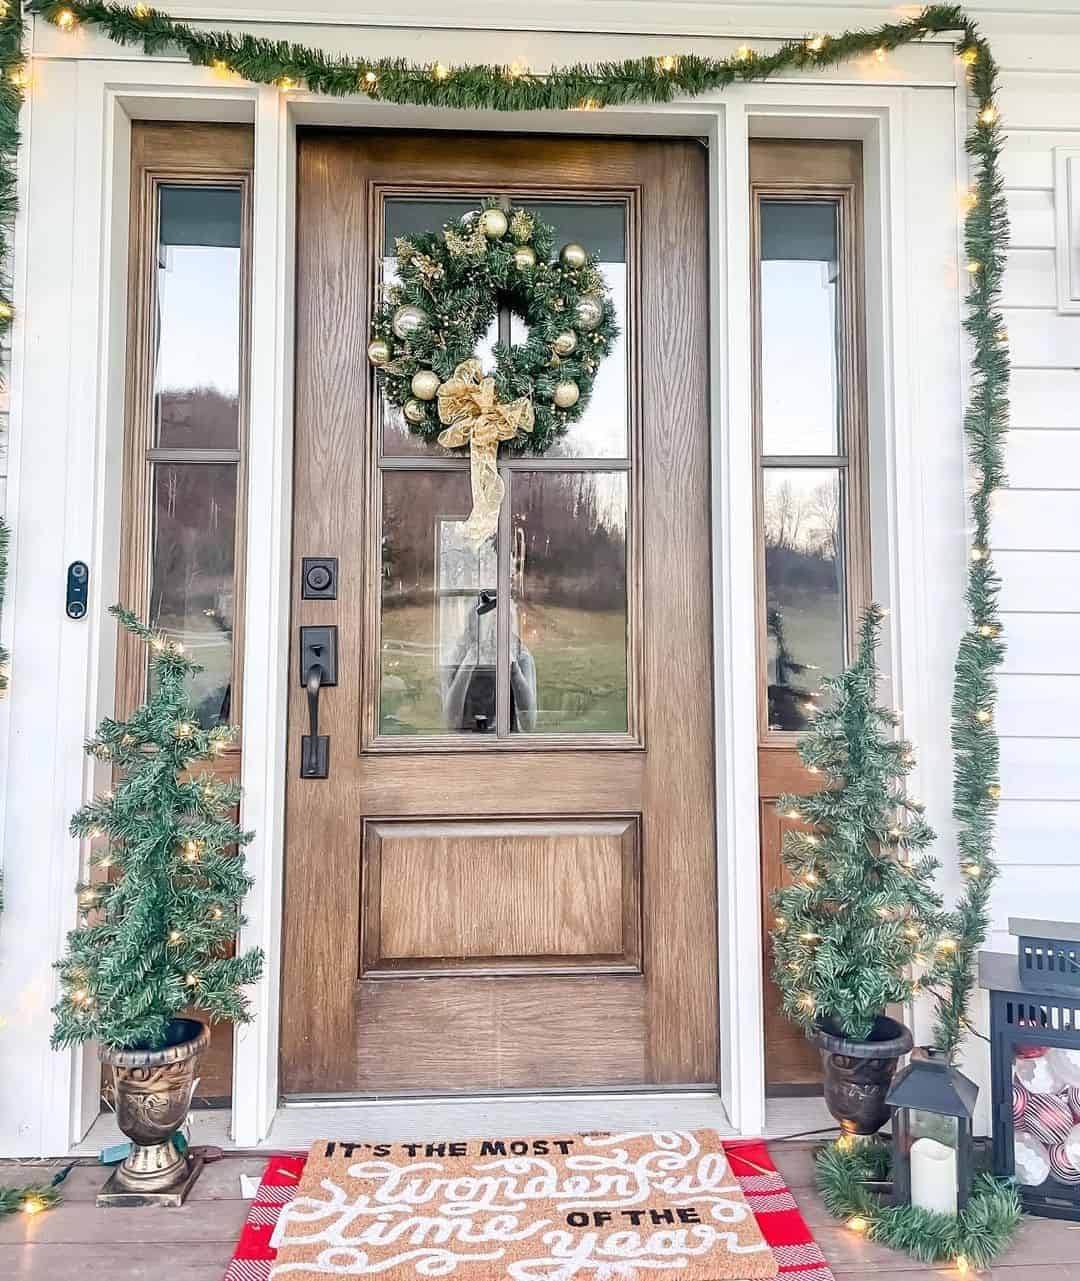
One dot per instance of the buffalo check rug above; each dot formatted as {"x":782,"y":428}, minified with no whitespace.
{"x":580,"y":1207}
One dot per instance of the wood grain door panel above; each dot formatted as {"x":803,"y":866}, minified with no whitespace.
{"x":469,"y":914}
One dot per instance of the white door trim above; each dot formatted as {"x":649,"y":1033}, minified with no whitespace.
{"x":70,"y":292}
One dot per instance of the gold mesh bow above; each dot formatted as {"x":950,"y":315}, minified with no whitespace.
{"x":467,"y":402}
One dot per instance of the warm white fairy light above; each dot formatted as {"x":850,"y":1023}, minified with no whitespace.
{"x":440,"y":71}
{"x":32,"y":1205}
{"x":816,"y":43}
{"x":744,"y":53}
{"x":668,"y":63}
{"x":988,"y":115}
{"x":983,"y":716}
{"x":65,"y":20}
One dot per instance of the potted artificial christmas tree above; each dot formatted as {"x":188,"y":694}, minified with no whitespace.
{"x":156,"y":938}
{"x":861,"y":910}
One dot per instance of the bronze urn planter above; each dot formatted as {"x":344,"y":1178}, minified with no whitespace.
{"x":858,"y":1074}
{"x":153,"y":1095}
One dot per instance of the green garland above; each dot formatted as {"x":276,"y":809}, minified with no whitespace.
{"x":976,"y":788}
{"x":973,"y":1239}
{"x":450,"y":286}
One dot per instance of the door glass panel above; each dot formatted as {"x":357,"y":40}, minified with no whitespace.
{"x":569,"y":610}
{"x":603,"y":429}
{"x":439,"y":610}
{"x":405,"y":217}
{"x":192,"y":594}
{"x":197,"y":331}
{"x":804,"y":588}
{"x":799,"y":288}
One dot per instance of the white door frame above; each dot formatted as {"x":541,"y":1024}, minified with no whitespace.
{"x":67,"y":434}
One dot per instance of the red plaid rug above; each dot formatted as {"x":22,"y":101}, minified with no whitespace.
{"x":783,"y":1227}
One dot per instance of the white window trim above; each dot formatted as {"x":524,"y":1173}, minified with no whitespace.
{"x":67,"y":439}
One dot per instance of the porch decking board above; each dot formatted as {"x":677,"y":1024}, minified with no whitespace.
{"x":195,"y":1243}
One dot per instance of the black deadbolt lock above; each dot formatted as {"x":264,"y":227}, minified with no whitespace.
{"x":78,"y":585}
{"x":319,"y":578}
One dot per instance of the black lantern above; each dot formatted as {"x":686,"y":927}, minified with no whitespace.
{"x":1035,"y":1064}
{"x":932,"y":1106}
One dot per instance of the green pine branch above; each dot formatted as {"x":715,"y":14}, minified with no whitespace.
{"x":978,"y":1234}
{"x":156,"y":935}
{"x":861,"y":908}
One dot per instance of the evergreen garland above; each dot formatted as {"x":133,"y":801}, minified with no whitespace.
{"x":973,"y":1239}
{"x":456,"y":278}
{"x":861,"y":908}
{"x":156,"y":939}
{"x":660,"y":79}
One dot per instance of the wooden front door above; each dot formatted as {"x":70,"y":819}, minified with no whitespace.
{"x":507,"y":879}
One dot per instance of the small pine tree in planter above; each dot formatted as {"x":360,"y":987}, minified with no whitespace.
{"x":861,"y":909}
{"x":156,"y":937}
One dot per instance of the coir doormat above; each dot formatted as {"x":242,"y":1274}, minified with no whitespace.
{"x":599,"y":1207}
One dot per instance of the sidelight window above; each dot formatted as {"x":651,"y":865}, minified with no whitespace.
{"x":530,"y":636}
{"x":187,"y":404}
{"x":811,"y":529}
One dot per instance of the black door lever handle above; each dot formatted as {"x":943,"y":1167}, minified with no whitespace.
{"x":318,"y":669}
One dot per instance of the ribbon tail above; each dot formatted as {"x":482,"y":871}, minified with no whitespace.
{"x":487,"y":491}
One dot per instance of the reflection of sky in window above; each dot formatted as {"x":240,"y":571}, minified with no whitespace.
{"x":798,"y":358}
{"x":198,"y":290}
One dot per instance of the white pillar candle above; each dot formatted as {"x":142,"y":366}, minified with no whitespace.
{"x":933,"y":1176}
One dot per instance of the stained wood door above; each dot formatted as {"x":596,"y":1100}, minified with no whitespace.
{"x":508,"y":878}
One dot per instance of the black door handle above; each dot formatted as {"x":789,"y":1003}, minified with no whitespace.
{"x":318,"y":669}
{"x":310,"y":763}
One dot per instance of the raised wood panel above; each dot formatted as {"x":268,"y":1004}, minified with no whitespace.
{"x":1042,"y":643}
{"x":1043,"y":459}
{"x":1045,"y":397}
{"x":1032,"y":580}
{"x":1036,"y":520}
{"x":1042,"y":339}
{"x":790,"y":1059}
{"x":1040,"y":769}
{"x":1030,"y":279}
{"x":1046,"y":706}
{"x":501,"y":897}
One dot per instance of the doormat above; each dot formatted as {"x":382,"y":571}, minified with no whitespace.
{"x":622,"y":1207}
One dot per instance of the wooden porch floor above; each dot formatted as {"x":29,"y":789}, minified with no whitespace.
{"x":76,"y":1240}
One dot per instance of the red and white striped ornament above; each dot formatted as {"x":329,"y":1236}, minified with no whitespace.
{"x":1048,"y":1119}
{"x":1072,"y":1098}
{"x":1061,"y":1164}
{"x":1020,"y":1099}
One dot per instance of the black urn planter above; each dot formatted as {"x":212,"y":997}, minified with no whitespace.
{"x":858,"y":1074}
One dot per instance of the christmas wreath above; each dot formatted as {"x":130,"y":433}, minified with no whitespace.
{"x":450,"y":285}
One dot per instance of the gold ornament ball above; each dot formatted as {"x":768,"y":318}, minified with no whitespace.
{"x":589,"y":312}
{"x":573,"y":255}
{"x":566,"y":394}
{"x":524,"y":257}
{"x":407,"y":320}
{"x":494,"y":224}
{"x":378,"y":351}
{"x":413,"y":411}
{"x":425,"y":383}
{"x":565,"y":342}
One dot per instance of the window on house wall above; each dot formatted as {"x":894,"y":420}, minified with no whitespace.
{"x":812,"y":541}
{"x":183,"y":516}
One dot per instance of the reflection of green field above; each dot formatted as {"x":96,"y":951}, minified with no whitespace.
{"x":580,"y":659}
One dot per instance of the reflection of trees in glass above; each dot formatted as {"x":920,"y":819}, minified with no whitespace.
{"x":786,"y":700}
{"x":192,"y":585}
{"x":803,"y":588}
